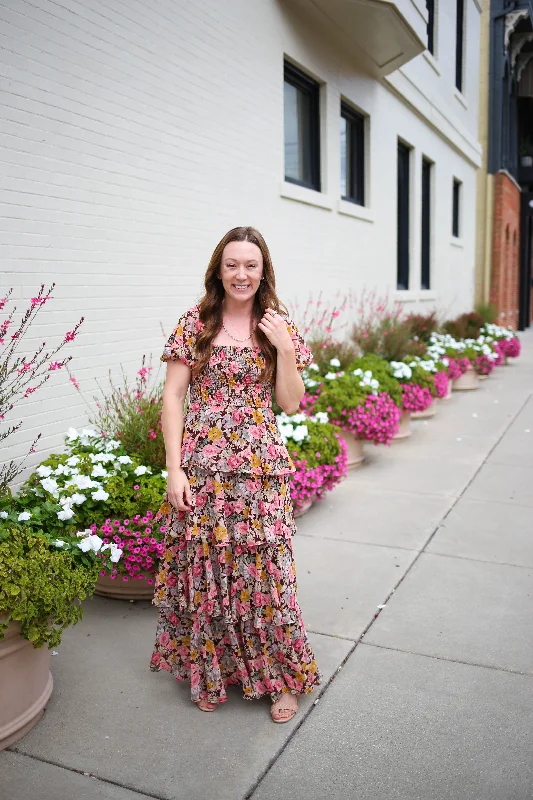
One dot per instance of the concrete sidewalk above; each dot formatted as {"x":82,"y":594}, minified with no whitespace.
{"x":435,"y":696}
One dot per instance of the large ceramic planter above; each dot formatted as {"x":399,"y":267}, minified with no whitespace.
{"x":467,"y":382}
{"x":305,"y":507}
{"x":448,"y":395}
{"x":126,"y":590}
{"x":429,"y":412}
{"x":404,"y":431}
{"x":356,"y":452}
{"x":25,"y":685}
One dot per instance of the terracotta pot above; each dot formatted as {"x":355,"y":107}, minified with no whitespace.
{"x":404,"y":430}
{"x":126,"y":590}
{"x":25,"y":685}
{"x":467,"y":382}
{"x":305,"y":507}
{"x":427,"y":414}
{"x":356,"y":451}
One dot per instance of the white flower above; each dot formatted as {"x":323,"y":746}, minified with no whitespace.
{"x":62,"y":469}
{"x":4,"y":514}
{"x":141,"y":470}
{"x":72,"y":434}
{"x":358,"y":373}
{"x":92,"y":542}
{"x":77,"y":499}
{"x":89,"y":433}
{"x":112,"y":444}
{"x":86,"y":532}
{"x":58,"y":543}
{"x":116,"y":552}
{"x":83,"y":482}
{"x":49,"y":485}
{"x":401,"y":370}
{"x":314,"y":367}
{"x":44,"y":472}
{"x":330,"y":376}
{"x":72,"y":461}
{"x":66,"y":513}
{"x":310,"y":384}
{"x":24,"y":516}
{"x":164,"y":474}
{"x":321,"y":416}
{"x":124,"y":460}
{"x":300,"y":433}
{"x":334,"y":362}
{"x":101,"y":494}
{"x":98,"y":471}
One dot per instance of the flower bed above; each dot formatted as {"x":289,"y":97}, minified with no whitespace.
{"x":318,"y":453}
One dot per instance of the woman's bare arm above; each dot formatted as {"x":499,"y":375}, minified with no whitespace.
{"x":172,"y":421}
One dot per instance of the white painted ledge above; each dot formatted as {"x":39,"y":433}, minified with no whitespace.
{"x":291,"y":191}
{"x":354,"y":210}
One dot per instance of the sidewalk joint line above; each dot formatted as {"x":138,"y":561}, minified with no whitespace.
{"x":449,"y":660}
{"x":90,"y":775}
{"x":479,"y":560}
{"x":352,"y":541}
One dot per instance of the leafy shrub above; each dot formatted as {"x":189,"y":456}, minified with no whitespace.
{"x":422,"y":326}
{"x":465,"y":326}
{"x":41,"y":587}
{"x":488,"y":311}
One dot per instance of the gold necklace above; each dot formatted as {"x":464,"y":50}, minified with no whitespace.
{"x":234,"y":337}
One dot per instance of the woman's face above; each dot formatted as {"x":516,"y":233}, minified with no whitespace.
{"x":241,"y":270}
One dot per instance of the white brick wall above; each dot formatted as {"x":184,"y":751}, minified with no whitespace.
{"x":134,"y":134}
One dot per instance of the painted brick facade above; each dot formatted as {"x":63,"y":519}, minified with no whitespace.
{"x":134,"y":135}
{"x":506,"y":248}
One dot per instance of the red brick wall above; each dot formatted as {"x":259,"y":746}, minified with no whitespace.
{"x":506,"y":249}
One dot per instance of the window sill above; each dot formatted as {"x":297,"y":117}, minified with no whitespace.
{"x":406,"y":295}
{"x":427,"y":295}
{"x":432,"y":61}
{"x":354,"y":210}
{"x":460,"y":96}
{"x":456,"y":242}
{"x":302,"y":194}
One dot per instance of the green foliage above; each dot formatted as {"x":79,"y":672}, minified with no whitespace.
{"x":41,"y":587}
{"x":390,"y":337}
{"x":339,"y":395}
{"x":465,"y":326}
{"x":488,"y":311}
{"x":132,"y":414}
{"x":382,"y":372}
{"x":422,"y":326}
{"x":422,"y":378}
{"x":322,"y":439}
{"x":325,"y":349}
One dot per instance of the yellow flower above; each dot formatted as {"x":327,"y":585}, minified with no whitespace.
{"x":267,"y":467}
{"x":246,"y":512}
{"x":195,"y":529}
{"x":213,"y":434}
{"x":165,"y":508}
{"x":300,"y":677}
{"x":203,"y":519}
{"x":247,"y":690}
{"x":257,"y":417}
{"x":245,"y":595}
{"x":210,"y":647}
{"x":186,"y":641}
{"x":272,"y":428}
{"x":220,"y":533}
{"x":232,"y":382}
{"x":258,"y":402}
{"x":178,"y":331}
{"x":269,"y":613}
{"x":205,"y":549}
{"x":312,"y":667}
{"x":217,"y":486}
{"x":255,"y":461}
{"x":192,"y":480}
{"x":194,"y":655}
{"x":197,"y":598}
{"x":234,"y":436}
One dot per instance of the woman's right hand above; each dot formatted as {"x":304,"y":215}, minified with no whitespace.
{"x":178,"y":489}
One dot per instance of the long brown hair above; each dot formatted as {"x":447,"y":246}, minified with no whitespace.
{"x":211,"y":302}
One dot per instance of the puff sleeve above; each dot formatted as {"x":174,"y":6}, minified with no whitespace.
{"x":304,"y":356}
{"x":181,"y":342}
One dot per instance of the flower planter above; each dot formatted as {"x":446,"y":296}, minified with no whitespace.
{"x":356,"y":452}
{"x":126,"y":590}
{"x":483,"y":377}
{"x":25,"y":685}
{"x":305,"y":507}
{"x":404,"y":431}
{"x":429,"y":412}
{"x":467,"y":382}
{"x":448,"y":395}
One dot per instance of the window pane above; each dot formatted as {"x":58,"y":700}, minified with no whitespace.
{"x":344,"y":170}
{"x":292,"y":162}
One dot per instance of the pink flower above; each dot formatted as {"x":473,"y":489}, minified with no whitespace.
{"x":70,"y":336}
{"x":55,"y":365}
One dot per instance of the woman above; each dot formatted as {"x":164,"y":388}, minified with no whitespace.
{"x":226,"y":588}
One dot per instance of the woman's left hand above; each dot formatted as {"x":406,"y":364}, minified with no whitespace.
{"x":275,"y":329}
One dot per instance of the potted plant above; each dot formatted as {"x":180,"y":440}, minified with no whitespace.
{"x":319,"y":454}
{"x":357,"y":402}
{"x":436,"y":381}
{"x":42,"y":584}
{"x":504,"y":341}
{"x":460,"y":358}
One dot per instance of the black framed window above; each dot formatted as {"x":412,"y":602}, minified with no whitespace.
{"x":456,"y":208}
{"x":459,"y":43}
{"x":302,"y":128}
{"x":427,"y":169}
{"x":352,"y":155}
{"x":404,"y":159}
{"x":430,"y":5}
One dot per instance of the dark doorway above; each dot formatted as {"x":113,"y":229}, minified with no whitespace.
{"x":526,"y":255}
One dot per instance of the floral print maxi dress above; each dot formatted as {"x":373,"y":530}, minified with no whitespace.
{"x":226,"y":587}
